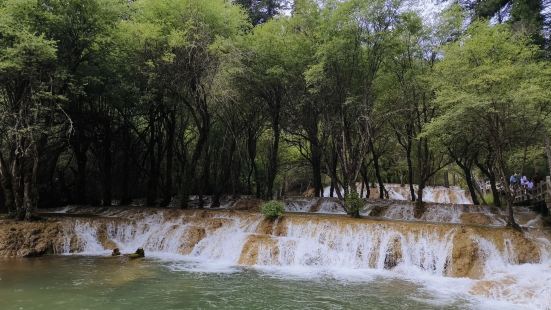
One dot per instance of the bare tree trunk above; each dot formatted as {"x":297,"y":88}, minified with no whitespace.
{"x":189,"y":173}
{"x":171,"y":128}
{"x":7,"y":189}
{"x":490,"y":174}
{"x":316,"y":169}
{"x":107,"y":163}
{"x":365,"y":180}
{"x":251,"y":152}
{"x":30,"y":187}
{"x":125,"y":196}
{"x":410,"y":174}
{"x":153,"y":178}
{"x":470,"y":184}
{"x":378,"y":176}
{"x":80,"y":192}
{"x":469,"y":179}
{"x":509,"y":192}
{"x":17,"y":187}
{"x":204,"y":184}
{"x":420,"y":204}
{"x":273,"y":160}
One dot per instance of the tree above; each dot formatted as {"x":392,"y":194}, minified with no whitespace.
{"x":28,"y":107}
{"x":492,"y":77}
{"x":175,"y":66}
{"x":261,"y":11}
{"x":355,"y":39}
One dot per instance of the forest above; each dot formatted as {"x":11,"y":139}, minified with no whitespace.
{"x":107,"y":101}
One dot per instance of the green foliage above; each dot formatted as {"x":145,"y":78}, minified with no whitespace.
{"x":353,"y":203}
{"x":187,"y":96}
{"x":272,"y":209}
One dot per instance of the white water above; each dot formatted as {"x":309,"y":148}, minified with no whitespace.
{"x":437,"y":194}
{"x":321,"y":247}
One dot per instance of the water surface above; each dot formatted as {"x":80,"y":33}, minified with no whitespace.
{"x":83,"y":282}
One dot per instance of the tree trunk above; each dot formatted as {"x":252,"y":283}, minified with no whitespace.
{"x":17,"y":189}
{"x":81,"y":159}
{"x":125,"y":196}
{"x":495,"y":191}
{"x":469,"y":179}
{"x":7,"y":189}
{"x":316,"y":154}
{"x":316,"y":169}
{"x":204,"y":184}
{"x":420,"y":204}
{"x":107,"y":163}
{"x":378,"y":176}
{"x":153,"y":178}
{"x":365,"y":180}
{"x":509,"y":192}
{"x":189,"y":173}
{"x":410,"y":174}
{"x":273,"y":160}
{"x":490,"y":174}
{"x":31,"y":187}
{"x":171,"y":128}
{"x":251,"y":152}
{"x":470,"y":184}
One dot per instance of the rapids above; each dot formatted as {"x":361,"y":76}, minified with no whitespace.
{"x":488,"y":265}
{"x":438,"y":194}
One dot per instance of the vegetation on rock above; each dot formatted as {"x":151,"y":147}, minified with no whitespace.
{"x":272,"y":209}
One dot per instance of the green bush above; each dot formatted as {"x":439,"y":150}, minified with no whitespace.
{"x":272,"y":209}
{"x":353,"y":204}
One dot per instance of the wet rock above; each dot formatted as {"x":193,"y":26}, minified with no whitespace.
{"x":252,"y":251}
{"x":466,"y":260}
{"x":103,"y":238}
{"x":394,"y":254}
{"x":28,"y":239}
{"x":316,"y":206}
{"x":476,"y":219}
{"x":190,"y":239}
{"x":526,"y":250}
{"x":140,"y":253}
{"x":248,"y":204}
{"x":377,"y":211}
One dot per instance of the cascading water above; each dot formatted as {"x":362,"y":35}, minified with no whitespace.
{"x":436,"y":194}
{"x":499,"y":265}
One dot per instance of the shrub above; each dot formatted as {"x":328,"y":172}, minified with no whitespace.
{"x":272,"y":209}
{"x":353,"y":203}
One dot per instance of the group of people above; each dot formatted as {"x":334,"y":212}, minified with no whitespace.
{"x":524,"y":182}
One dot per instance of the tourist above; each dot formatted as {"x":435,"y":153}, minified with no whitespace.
{"x":524,"y":181}
{"x":513,"y":179}
{"x":530,"y":185}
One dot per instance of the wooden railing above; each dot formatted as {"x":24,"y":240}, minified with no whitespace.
{"x":539,"y":194}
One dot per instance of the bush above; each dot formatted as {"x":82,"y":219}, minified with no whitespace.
{"x":272,"y":209}
{"x":353,"y":204}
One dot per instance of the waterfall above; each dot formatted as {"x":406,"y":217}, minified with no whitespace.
{"x":501,"y":264}
{"x":437,"y":194}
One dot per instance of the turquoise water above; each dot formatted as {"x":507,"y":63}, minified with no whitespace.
{"x":80,"y":282}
